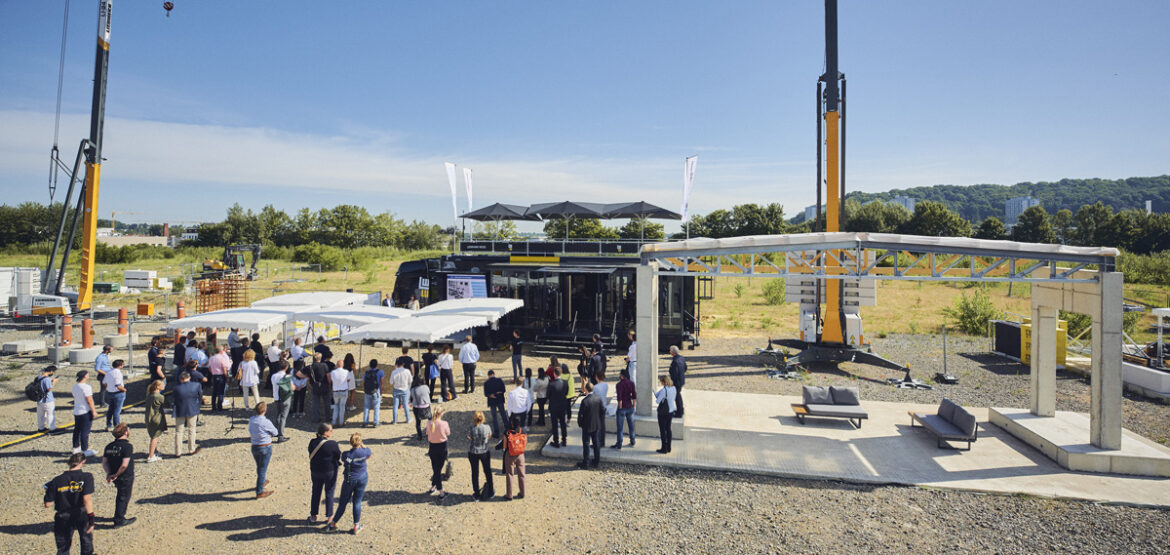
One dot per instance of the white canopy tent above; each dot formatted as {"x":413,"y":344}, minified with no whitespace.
{"x":315,"y":299}
{"x":420,"y":329}
{"x":254,"y":318}
{"x":492,"y":308}
{"x":352,"y":315}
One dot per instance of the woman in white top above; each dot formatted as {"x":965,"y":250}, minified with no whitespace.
{"x":665,"y":397}
{"x":350,"y":366}
{"x":250,"y":378}
{"x":540,"y":392}
{"x":83,"y":413}
{"x":446,"y":379}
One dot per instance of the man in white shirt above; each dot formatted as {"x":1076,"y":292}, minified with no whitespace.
{"x":274,"y":352}
{"x":400,"y":380}
{"x":339,"y":377}
{"x":517,"y":403}
{"x":632,"y":358}
{"x":115,"y":393}
{"x":468,"y":356}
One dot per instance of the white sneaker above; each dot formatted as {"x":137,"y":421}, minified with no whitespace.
{"x":90,"y":453}
{"x":155,"y":458}
{"x":76,"y":450}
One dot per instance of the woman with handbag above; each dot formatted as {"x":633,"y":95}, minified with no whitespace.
{"x":354,"y":486}
{"x":437,"y":432}
{"x":324,"y":458}
{"x":156,"y":420}
{"x":420,"y":403}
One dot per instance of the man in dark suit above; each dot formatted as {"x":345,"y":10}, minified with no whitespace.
{"x":589,"y":417}
{"x":678,"y":375}
{"x":558,"y":408}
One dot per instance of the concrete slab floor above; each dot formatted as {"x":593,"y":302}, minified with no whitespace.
{"x":759,"y":434}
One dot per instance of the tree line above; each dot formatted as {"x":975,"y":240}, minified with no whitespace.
{"x":978,"y":202}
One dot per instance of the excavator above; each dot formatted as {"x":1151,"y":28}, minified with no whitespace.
{"x":233,"y":263}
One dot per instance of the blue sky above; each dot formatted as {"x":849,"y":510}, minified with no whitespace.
{"x":314,"y":104}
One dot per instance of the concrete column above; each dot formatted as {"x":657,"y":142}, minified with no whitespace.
{"x":1043,"y":360}
{"x":1106,"y":387}
{"x":647,"y":337}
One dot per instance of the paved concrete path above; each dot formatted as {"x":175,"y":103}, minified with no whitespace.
{"x":760,"y":434}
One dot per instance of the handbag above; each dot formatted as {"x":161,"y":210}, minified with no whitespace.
{"x":447,"y":471}
{"x":163,"y":427}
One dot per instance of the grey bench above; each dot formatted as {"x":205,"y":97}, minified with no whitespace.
{"x":831,"y":402}
{"x":952,"y":423}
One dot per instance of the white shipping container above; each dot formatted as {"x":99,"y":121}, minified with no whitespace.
{"x":28,"y":281}
{"x":7,"y":278}
{"x":139,"y":274}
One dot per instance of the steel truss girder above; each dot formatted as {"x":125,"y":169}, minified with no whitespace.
{"x":843,"y":260}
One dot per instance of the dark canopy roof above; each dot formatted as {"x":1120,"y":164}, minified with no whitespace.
{"x":639,"y":209}
{"x":498,"y":211}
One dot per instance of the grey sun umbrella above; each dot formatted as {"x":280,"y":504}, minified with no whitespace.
{"x":499,"y":212}
{"x":641,"y":211}
{"x":567,"y":210}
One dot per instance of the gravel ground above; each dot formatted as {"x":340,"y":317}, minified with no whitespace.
{"x":204,"y":503}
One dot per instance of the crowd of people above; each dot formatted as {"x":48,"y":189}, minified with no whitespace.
{"x":297,"y":373}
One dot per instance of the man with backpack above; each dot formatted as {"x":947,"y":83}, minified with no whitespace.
{"x":40,"y":391}
{"x":372,"y":385}
{"x":282,"y":392}
{"x":515,"y":442}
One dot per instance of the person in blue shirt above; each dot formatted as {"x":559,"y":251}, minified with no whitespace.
{"x":101,"y":365}
{"x":261,"y":431}
{"x":188,"y":394}
{"x":354,"y":486}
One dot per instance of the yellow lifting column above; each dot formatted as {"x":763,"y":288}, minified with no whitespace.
{"x":833,"y":331}
{"x":93,"y":162}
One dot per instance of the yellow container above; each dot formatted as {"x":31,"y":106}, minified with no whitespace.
{"x":1061,"y":341}
{"x":146,"y":309}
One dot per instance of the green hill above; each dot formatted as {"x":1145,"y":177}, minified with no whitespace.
{"x":976,"y":202}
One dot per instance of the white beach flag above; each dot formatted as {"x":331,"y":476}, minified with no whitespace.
{"x":467,"y":184}
{"x":688,"y":180}
{"x":451,"y":180}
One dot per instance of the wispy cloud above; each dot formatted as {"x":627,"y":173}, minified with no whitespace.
{"x":363,"y":162}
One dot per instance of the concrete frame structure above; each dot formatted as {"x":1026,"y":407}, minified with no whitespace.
{"x":827,"y":256}
{"x":1102,"y":302}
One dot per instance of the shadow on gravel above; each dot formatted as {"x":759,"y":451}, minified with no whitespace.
{"x":59,"y":456}
{"x":998,"y":365}
{"x":259,"y":527}
{"x":36,"y":529}
{"x":177,"y":498}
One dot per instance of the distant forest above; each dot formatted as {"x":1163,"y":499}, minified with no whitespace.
{"x":976,"y":202}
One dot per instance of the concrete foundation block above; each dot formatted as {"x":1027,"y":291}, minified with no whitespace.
{"x":22,"y":346}
{"x":58,"y":355}
{"x":644,"y":426}
{"x":79,"y":356}
{"x":119,"y":340}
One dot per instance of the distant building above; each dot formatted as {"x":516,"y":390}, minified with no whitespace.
{"x":1016,"y":206}
{"x":189,"y":236}
{"x":810,"y":212}
{"x":905,"y":202}
{"x":105,"y":232}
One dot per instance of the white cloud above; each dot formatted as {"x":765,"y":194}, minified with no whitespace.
{"x":269,"y":162}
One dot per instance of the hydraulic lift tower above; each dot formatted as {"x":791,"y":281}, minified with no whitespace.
{"x":834,"y":334}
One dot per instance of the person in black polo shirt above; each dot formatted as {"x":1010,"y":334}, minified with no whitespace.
{"x":406,"y":361}
{"x":119,"y":467}
{"x":71,"y":496}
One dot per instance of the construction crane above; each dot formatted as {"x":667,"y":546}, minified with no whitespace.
{"x":90,"y":150}
{"x":835,"y":334}
{"x":114,"y":217}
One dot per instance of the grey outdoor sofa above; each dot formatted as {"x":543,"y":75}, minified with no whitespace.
{"x":952,"y":423}
{"x":830,"y":402}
